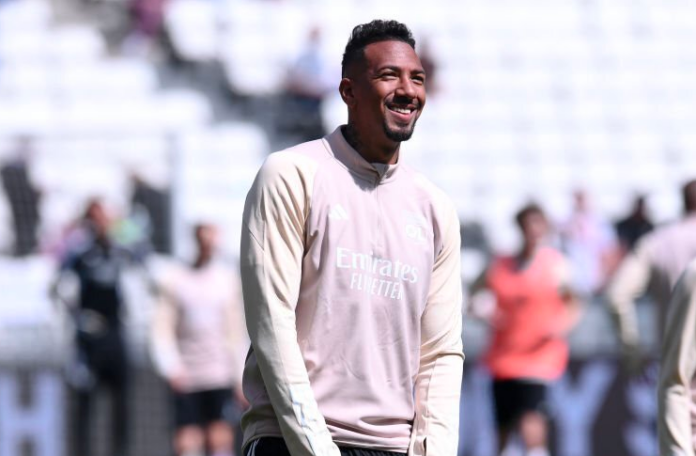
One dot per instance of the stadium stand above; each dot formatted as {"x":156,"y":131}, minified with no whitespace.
{"x":534,"y":99}
{"x":530,"y":105}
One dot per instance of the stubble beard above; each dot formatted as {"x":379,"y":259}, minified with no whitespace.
{"x":399,"y":134}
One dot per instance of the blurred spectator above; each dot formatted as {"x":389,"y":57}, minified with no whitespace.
{"x":148,"y":19}
{"x":534,"y":309}
{"x":427,"y":59}
{"x":474,"y":237}
{"x":590,"y":244}
{"x":634,"y":226}
{"x":653,"y":266}
{"x":308,"y":82}
{"x":155,"y":204}
{"x":101,"y":359}
{"x":23,"y":198}
{"x":197,"y":333}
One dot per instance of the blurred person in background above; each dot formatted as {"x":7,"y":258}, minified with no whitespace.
{"x":350,"y":264}
{"x":429,"y":62}
{"x":307,"y":84}
{"x":153,"y":204}
{"x":534,"y":310}
{"x":23,"y":198}
{"x":101,"y":358}
{"x":634,"y":226}
{"x":196,"y":337}
{"x":677,"y":386}
{"x":653,"y":267}
{"x":147,"y":26}
{"x":589,"y":242}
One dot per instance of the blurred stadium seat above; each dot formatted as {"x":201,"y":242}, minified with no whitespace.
{"x":193,"y":28}
{"x":217,"y":167}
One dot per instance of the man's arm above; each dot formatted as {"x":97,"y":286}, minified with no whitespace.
{"x":271,"y":254}
{"x":630,"y":282}
{"x":237,"y":340}
{"x":438,"y":384}
{"x":66,"y":265}
{"x":163,"y":342}
{"x":678,"y":370}
{"x":574,"y":305}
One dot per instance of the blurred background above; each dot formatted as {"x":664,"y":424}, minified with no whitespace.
{"x":165,"y":109}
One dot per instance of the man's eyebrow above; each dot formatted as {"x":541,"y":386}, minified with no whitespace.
{"x":389,"y":67}
{"x":399,"y":69}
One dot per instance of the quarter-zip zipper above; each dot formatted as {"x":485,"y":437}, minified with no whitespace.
{"x":379,"y":237}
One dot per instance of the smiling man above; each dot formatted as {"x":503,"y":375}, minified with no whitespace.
{"x":350,"y":268}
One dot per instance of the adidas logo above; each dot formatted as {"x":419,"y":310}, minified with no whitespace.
{"x":337,"y":212}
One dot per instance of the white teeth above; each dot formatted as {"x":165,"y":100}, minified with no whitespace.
{"x":402,"y":110}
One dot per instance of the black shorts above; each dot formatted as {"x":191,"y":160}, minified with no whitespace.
{"x":275,"y":446}
{"x":201,"y":407}
{"x":513,"y":398}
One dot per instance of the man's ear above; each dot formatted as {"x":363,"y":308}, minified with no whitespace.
{"x":345,"y":88}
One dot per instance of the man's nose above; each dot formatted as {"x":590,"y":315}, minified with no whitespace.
{"x":407,"y":88}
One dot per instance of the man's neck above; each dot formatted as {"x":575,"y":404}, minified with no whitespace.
{"x":201,"y":261}
{"x":374,"y":153}
{"x":527,"y":253}
{"x":103,"y":240}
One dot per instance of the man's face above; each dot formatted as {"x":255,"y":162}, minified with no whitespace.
{"x":534,"y":228}
{"x":206,"y":238}
{"x":389,"y":92}
{"x":99,"y":218}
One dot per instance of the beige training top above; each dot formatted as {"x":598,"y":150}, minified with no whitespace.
{"x":352,"y":292}
{"x":677,"y":390}
{"x":654,"y":266}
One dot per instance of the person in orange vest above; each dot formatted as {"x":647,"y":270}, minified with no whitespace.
{"x":534,"y":310}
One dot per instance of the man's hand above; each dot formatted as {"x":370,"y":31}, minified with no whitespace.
{"x":239,"y":396}
{"x":632,"y":358}
{"x":177,"y":382}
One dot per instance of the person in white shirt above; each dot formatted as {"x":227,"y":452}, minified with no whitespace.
{"x":196,"y":336}
{"x":652,"y":268}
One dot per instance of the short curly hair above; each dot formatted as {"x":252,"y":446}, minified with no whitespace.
{"x":374,"y":32}
{"x":529,"y":209}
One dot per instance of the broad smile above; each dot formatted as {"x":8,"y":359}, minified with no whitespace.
{"x":402,"y":113}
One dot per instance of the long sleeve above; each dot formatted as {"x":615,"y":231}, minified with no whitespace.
{"x":630,"y":282}
{"x":676,"y":403}
{"x":438,"y":383}
{"x":272,"y":248}
{"x":237,"y":339}
{"x":163,"y":344}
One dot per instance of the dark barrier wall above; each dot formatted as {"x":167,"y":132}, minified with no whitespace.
{"x":35,"y":408}
{"x":596,"y":410}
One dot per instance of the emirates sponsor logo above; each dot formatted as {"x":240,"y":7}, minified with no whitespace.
{"x":374,"y":275}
